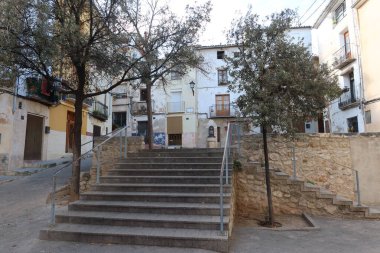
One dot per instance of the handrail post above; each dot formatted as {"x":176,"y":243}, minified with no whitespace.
{"x":125,"y":143}
{"x":121,"y":144}
{"x":52,"y":214}
{"x":98,"y":164}
{"x":358,"y":187}
{"x":221,"y":204}
{"x":294,"y":162}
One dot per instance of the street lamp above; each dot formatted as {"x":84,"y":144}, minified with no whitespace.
{"x":192,"y":85}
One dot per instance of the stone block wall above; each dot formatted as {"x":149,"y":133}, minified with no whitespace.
{"x":321,"y":159}
{"x":289,"y":197}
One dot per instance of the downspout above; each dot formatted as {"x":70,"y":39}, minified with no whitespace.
{"x":357,"y":38}
{"x":15,"y":91}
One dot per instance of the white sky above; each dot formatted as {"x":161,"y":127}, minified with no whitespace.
{"x":224,"y":11}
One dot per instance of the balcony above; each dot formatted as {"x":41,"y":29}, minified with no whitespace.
{"x":175,"y":107}
{"x":140,"y":108}
{"x":71,"y":98}
{"x":223,"y":111}
{"x":99,"y":111}
{"x":41,"y":91}
{"x":348,"y":100}
{"x":343,"y":56}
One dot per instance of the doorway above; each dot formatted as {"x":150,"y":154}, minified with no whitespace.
{"x":33,"y":138}
{"x":142,"y":130}
{"x":96,"y":131}
{"x":222,"y":105}
{"x":70,"y":132}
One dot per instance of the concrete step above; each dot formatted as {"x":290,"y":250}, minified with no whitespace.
{"x":143,"y":220}
{"x":338,"y":200}
{"x":149,"y":207}
{"x":210,"y":188}
{"x":156,"y":197}
{"x":164,"y":172}
{"x":310,"y":187}
{"x":173,"y":165}
{"x":161,"y":179}
{"x":373,"y":213}
{"x":184,"y":238}
{"x":172,"y":159}
{"x":184,"y":150}
{"x":325,"y":194}
{"x":175,"y":154}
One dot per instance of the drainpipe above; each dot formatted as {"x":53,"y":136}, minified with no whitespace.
{"x":15,"y":91}
{"x":357,"y":38}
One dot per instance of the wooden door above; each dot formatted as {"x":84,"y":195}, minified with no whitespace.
{"x":70,"y":132}
{"x":33,"y":138}
{"x":222,"y":104}
{"x":347,"y":46}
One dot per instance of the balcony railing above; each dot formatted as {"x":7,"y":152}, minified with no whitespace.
{"x":140,"y":108}
{"x":223,"y":111}
{"x":348,"y":100}
{"x":343,"y":56}
{"x":99,"y":110}
{"x":174,"y":107}
{"x":71,"y":98}
{"x":39,"y":90}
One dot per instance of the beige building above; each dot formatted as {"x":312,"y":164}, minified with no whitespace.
{"x":367,"y":18}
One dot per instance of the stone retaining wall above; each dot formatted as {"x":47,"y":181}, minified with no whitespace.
{"x":321,"y":159}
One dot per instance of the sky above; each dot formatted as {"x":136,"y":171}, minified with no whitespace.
{"x":224,"y":12}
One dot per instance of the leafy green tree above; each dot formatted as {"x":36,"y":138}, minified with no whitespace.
{"x":280,"y":80}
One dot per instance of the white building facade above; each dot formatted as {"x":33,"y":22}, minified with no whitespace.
{"x":337,"y":45}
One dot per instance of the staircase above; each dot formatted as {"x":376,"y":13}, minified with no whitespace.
{"x":345,"y":208}
{"x":158,"y":198}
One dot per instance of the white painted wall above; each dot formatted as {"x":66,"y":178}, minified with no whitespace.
{"x":330,"y":39}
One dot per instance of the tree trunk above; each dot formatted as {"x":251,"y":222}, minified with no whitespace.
{"x":267,"y":177}
{"x":149,"y":115}
{"x":75,"y":177}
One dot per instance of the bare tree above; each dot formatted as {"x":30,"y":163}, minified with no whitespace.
{"x":167,"y":43}
{"x":73,"y":42}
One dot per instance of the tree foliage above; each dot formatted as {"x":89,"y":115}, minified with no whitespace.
{"x":167,"y":43}
{"x":279,"y":79}
{"x":89,"y":46}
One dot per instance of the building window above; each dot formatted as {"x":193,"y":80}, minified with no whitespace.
{"x":143,"y":94}
{"x":352,"y":125}
{"x":222,"y":105}
{"x":222,"y":77}
{"x":368,"y":119}
{"x":119,"y":119}
{"x":175,"y":75}
{"x":340,"y":12}
{"x":347,"y":45}
{"x":236,"y":54}
{"x":220,"y":54}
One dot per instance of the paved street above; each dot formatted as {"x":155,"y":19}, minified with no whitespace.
{"x":24,"y":212}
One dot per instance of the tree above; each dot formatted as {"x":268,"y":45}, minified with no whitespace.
{"x":87,"y":46}
{"x":156,"y":27}
{"x":78,"y":43}
{"x":280,"y":81}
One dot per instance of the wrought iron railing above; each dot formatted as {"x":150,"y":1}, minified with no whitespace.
{"x":99,"y":110}
{"x":343,"y":56}
{"x":173,"y":107}
{"x":223,"y":110}
{"x":347,"y":100}
{"x":140,"y":108}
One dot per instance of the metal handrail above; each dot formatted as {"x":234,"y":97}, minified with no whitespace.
{"x":97,"y":148}
{"x":225,"y":166}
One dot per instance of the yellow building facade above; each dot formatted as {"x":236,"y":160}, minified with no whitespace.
{"x":367,"y":20}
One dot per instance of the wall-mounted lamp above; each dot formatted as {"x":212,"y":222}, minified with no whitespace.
{"x":192,"y":85}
